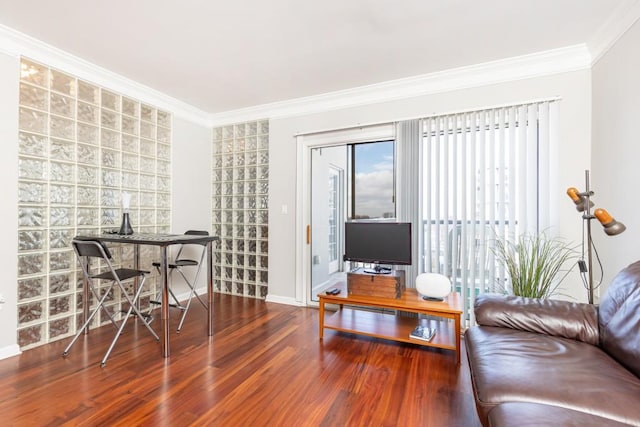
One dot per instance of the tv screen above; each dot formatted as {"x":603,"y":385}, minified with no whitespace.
{"x":378,"y":242}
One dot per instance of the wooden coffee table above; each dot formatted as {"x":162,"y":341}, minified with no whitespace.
{"x":393,"y":326}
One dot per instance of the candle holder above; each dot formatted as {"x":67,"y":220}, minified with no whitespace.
{"x":125,"y":227}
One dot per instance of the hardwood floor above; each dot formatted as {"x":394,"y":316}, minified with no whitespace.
{"x":264,"y":366}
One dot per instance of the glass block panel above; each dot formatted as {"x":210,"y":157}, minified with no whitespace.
{"x":130,"y":125}
{"x":130,"y":162}
{"x":163,"y":217}
{"x":238,"y":145}
{"x":110,"y":197}
{"x":59,"y":283}
{"x":30,"y":336}
{"x":147,"y":199}
{"x":251,"y":158}
{"x":130,"y":180}
{"x":264,"y":247}
{"x":163,"y":168}
{"x":88,"y":112}
{"x":30,"y":264}
{"x":30,"y":240}
{"x":250,"y":188}
{"x":130,"y":107}
{"x":62,"y":150}
{"x":164,"y":200}
{"x":147,"y":130}
{"x":251,"y":173}
{"x":87,"y":196}
{"x":130,"y":143}
{"x":217,"y":161}
{"x":60,"y":260}
{"x":263,"y":217}
{"x":33,"y":145}
{"x":263,"y":202}
{"x":263,"y":127}
{"x":251,"y":128}
{"x":32,"y":169}
{"x":147,"y":147}
{"x":164,"y":184}
{"x":63,"y":106}
{"x":88,"y":216}
{"x":87,"y":154}
{"x":87,"y":134}
{"x":264,"y":277}
{"x":60,"y":327}
{"x":32,"y":193}
{"x":60,"y":238}
{"x":227,"y":132}
{"x":147,"y":164}
{"x":251,"y":143}
{"x":163,"y":134}
{"x":33,"y":121}
{"x":34,"y":97}
{"x":217,"y":134}
{"x":250,"y":217}
{"x":61,"y":172}
{"x":59,"y":305}
{"x":110,"y":139}
{"x":164,"y":151}
{"x":63,"y":83}
{"x":148,"y":113}
{"x":110,"y":178}
{"x":252,"y":233}
{"x":263,"y":142}
{"x":110,"y":217}
{"x":33,"y":72}
{"x":61,"y":194}
{"x":264,"y":172}
{"x":62,"y":128}
{"x":110,"y":100}
{"x":87,"y":92}
{"x":263,"y":187}
{"x":87,"y":175}
{"x":109,"y":119}
{"x":30,"y":288}
{"x":263,"y":157}
{"x":31,"y":216}
{"x":61,"y":217}
{"x":147,"y":216}
{"x":30,"y":312}
{"x":147,"y":181}
{"x":110,"y":158}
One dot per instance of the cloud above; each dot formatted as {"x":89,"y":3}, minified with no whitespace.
{"x":374,"y":191}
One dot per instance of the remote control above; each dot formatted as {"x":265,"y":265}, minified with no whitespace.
{"x":333,"y":291}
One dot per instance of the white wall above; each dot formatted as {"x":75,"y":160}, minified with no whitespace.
{"x":9,"y":84}
{"x":616,"y":149}
{"x":191,"y":187}
{"x":570,"y":158}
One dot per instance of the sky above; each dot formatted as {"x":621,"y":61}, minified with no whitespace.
{"x":374,"y":179}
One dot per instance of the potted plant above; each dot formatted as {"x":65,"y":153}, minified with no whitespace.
{"x":534,"y":263}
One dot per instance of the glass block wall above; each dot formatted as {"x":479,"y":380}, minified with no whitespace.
{"x":80,"y":147}
{"x":240,"y":212}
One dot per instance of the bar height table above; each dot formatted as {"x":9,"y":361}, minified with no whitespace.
{"x":164,"y":241}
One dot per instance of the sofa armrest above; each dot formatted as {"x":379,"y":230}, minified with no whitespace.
{"x":543,"y":316}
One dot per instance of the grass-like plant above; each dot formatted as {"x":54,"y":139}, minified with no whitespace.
{"x":535,"y":263}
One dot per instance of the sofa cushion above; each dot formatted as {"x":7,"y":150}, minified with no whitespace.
{"x":619,"y":318}
{"x":544,"y":316}
{"x":509,"y":365}
{"x":538,"y":415}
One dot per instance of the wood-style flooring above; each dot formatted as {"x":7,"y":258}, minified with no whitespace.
{"x":264,"y":366}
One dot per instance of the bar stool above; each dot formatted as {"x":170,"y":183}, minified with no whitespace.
{"x":89,"y":249}
{"x":179,"y":264}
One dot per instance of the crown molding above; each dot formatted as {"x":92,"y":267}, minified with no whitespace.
{"x":549,"y":62}
{"x":622,"y":18}
{"x":17,"y":44}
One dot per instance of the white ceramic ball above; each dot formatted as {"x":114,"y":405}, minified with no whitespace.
{"x":433,"y":285}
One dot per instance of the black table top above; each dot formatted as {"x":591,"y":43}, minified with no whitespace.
{"x":156,"y":239}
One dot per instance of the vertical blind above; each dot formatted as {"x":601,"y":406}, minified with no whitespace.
{"x":484,"y":178}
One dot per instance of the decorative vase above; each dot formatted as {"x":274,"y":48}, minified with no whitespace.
{"x":433,"y":286}
{"x":125,"y":227}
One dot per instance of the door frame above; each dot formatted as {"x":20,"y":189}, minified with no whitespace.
{"x":304,"y":144}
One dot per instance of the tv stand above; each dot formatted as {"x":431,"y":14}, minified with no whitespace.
{"x":446,"y":317}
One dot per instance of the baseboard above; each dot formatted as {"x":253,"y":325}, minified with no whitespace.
{"x":283,"y":300}
{"x":9,"y":351}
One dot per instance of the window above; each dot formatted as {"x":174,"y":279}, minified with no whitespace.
{"x":483,"y":179}
{"x":372,"y":179}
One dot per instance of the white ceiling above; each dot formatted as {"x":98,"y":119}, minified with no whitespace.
{"x":226,"y":55}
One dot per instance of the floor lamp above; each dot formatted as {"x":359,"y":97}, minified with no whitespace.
{"x":612,"y":227}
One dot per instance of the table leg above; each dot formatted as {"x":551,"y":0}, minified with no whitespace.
{"x":136,"y":266}
{"x":321,"y":317}
{"x":210,"y":287}
{"x":457,"y":333}
{"x":164,"y":308}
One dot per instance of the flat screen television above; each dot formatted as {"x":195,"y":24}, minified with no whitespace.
{"x":378,"y":243}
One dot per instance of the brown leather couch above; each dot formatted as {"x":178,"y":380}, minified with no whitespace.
{"x":543,"y":362}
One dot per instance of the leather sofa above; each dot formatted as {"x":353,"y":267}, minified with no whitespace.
{"x":544,"y":362}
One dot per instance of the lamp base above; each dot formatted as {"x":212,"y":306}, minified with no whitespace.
{"x":125,"y":227}
{"x":432,"y":299}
